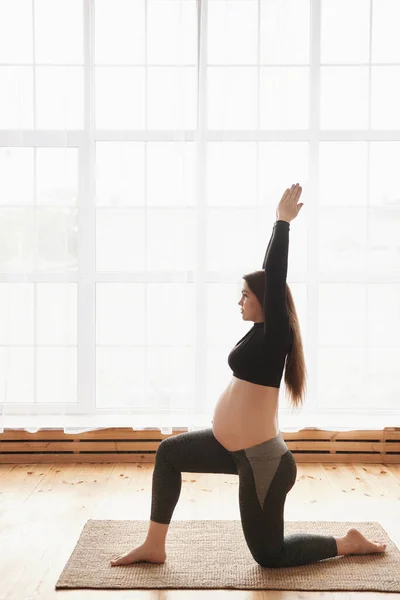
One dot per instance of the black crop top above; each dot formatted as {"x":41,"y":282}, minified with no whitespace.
{"x":260,"y":355}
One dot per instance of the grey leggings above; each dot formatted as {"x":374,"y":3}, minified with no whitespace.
{"x":266,"y":471}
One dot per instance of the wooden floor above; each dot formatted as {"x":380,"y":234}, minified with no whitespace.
{"x":43,"y":508}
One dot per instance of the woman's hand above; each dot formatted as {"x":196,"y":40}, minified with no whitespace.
{"x":288,"y":209}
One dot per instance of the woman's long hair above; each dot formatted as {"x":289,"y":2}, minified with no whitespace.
{"x":295,"y":366}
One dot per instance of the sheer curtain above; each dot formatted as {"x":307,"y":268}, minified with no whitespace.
{"x":144,"y":147}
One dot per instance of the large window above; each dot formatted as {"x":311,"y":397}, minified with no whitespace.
{"x":144,"y":147}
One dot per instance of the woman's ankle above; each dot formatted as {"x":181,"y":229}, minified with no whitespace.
{"x":156,"y":534}
{"x":342,"y":545}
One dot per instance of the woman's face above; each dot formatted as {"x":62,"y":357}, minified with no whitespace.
{"x":249,"y":304}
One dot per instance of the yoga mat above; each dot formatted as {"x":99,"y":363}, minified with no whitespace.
{"x":211,"y":554}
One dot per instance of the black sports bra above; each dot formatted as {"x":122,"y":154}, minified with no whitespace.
{"x":259,"y":357}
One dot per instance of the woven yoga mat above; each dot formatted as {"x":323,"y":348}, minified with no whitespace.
{"x":214,"y":554}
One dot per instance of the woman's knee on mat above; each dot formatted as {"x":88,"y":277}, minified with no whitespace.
{"x":272,"y":559}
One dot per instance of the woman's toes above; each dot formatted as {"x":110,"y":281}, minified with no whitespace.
{"x":120,"y":560}
{"x":140,"y":554}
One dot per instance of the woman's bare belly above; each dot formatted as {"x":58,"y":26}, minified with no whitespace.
{"x":246,"y":414}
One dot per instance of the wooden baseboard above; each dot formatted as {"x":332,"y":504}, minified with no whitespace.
{"x":127,"y":445}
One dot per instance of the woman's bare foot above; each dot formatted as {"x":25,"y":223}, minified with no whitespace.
{"x":355,"y":543}
{"x":143,"y":553}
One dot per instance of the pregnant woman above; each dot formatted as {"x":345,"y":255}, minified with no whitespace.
{"x":245,"y":439}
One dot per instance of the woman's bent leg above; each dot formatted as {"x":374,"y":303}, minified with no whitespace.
{"x":192,"y":452}
{"x":267,"y":472}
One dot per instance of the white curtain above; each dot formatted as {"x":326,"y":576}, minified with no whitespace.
{"x":144,"y":147}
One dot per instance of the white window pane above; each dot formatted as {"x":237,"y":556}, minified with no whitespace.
{"x":343,"y":174}
{"x":57,"y":176}
{"x":298,"y":247}
{"x":16,"y":31}
{"x":383,"y":323}
{"x":120,"y":311}
{"x":58,"y":31}
{"x":172,"y":32}
{"x":231,"y":173}
{"x":384,"y":178}
{"x":342,"y":380}
{"x":385,"y":32}
{"x":119,"y":32}
{"x":385,"y":97}
{"x":171,"y":375}
{"x":57,"y":239}
{"x":120,"y":240}
{"x":16,"y":98}
{"x":120,"y":173}
{"x":120,"y":378}
{"x":15,"y":389}
{"x":342,"y":239}
{"x":342,"y":314}
{"x":384,"y":240}
{"x":56,"y":313}
{"x":237,"y":229}
{"x":57,"y":375}
{"x":170,"y":314}
{"x":171,"y":240}
{"x":172,"y":97}
{"x":218,"y":374}
{"x":16,"y":178}
{"x":345,"y":28}
{"x":280,"y":164}
{"x":382,"y":381}
{"x":59,"y":93}
{"x":120,"y":97}
{"x":344,"y":97}
{"x":284,"y":31}
{"x":17,"y":240}
{"x":16,"y":313}
{"x":170,"y":174}
{"x":284,"y":98}
{"x":225,"y":324}
{"x":45,"y":240}
{"x":232,"y":97}
{"x":229,"y":22}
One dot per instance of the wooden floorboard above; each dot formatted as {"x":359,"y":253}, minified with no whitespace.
{"x":43,"y":508}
